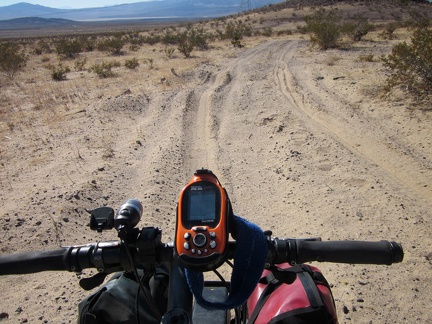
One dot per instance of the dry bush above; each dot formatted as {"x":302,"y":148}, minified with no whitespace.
{"x":12,"y":59}
{"x":410,"y":65}
{"x":58,"y":73}
{"x":104,"y":69}
{"x":325,"y":28}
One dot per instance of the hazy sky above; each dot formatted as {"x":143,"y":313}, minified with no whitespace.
{"x":70,"y":3}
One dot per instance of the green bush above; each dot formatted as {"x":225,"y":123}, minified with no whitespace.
{"x":236,"y":31}
{"x":199,"y":38}
{"x":132,"y":63}
{"x":68,"y":48}
{"x":42,"y":47}
{"x":325,"y":28}
{"x":186,"y":44}
{"x":113,"y":45}
{"x":12,"y":59}
{"x":80,"y":64}
{"x":104,"y":69}
{"x":267,"y":32}
{"x":169,"y":52}
{"x":411,"y":65}
{"x":389,"y":29}
{"x":58,"y":73}
{"x":357,"y":28}
{"x":366,"y":58}
{"x":418,"y":19}
{"x":169,"y":37}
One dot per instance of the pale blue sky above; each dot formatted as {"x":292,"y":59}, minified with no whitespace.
{"x":68,"y":4}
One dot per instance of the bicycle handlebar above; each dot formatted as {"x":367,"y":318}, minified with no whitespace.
{"x":110,"y":256}
{"x":31,"y":262}
{"x":360,"y":252}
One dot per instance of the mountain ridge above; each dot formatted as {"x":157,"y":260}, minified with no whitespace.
{"x":145,"y":9}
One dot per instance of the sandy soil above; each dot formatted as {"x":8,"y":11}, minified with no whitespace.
{"x":303,"y":146}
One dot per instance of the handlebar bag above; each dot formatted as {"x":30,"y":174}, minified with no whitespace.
{"x":118,"y":300}
{"x":292,"y":295}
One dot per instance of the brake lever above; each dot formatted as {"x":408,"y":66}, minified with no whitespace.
{"x":93,"y":281}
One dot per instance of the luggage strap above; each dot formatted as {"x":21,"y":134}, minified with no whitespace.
{"x":279,"y":276}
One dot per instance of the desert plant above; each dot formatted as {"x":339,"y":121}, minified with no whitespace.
{"x":411,"y":65}
{"x":113,"y":45}
{"x":169,"y":51}
{"x":186,"y":44}
{"x":12,"y":59}
{"x":236,"y":31}
{"x":199,"y":38}
{"x":418,"y":19}
{"x":104,"y":69}
{"x":267,"y":32}
{"x":68,"y":48}
{"x":132,"y":63}
{"x":42,"y":47}
{"x":325,"y":28}
{"x":169,"y":37}
{"x":80,"y":64}
{"x":357,"y":27}
{"x":366,"y":58}
{"x":150,"y":63}
{"x":134,"y":47}
{"x":58,"y":73}
{"x":389,"y":29}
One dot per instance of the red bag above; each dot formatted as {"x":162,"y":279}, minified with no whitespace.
{"x":292,"y":294}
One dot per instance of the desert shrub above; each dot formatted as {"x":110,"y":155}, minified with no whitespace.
{"x":58,"y":73}
{"x":169,"y":52}
{"x":88,"y":43}
{"x":12,"y":59}
{"x":325,"y":28}
{"x":68,"y":48}
{"x":389,"y":29}
{"x":267,"y":32}
{"x":284,"y":32}
{"x":42,"y":47}
{"x":79,"y":64}
{"x":170,"y":38}
{"x":411,"y":65}
{"x":104,"y":69}
{"x":114,"y":45}
{"x":418,"y":19}
{"x":236,"y":31}
{"x":152,"y":39}
{"x":150,"y":63}
{"x":357,"y":28}
{"x":199,"y":37}
{"x":186,"y":44}
{"x":132,"y":63}
{"x":187,"y":40}
{"x":134,"y":47}
{"x":366,"y":58}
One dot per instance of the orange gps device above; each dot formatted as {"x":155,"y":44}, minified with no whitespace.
{"x":203,"y":213}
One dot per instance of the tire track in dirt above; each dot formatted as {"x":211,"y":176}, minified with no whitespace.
{"x":326,"y":114}
{"x":204,"y":111}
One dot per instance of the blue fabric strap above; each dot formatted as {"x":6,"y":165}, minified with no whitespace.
{"x":249,"y":261}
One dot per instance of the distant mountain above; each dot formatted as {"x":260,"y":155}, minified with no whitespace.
{"x":24,"y":9}
{"x":148,"y":9}
{"x":36,"y":23}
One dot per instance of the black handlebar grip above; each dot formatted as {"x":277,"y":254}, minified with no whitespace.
{"x":382,"y":252}
{"x":33,"y":262}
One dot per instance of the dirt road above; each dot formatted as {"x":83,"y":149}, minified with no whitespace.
{"x":301,"y":148}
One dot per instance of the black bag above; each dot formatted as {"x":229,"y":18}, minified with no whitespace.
{"x":121,"y":300}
